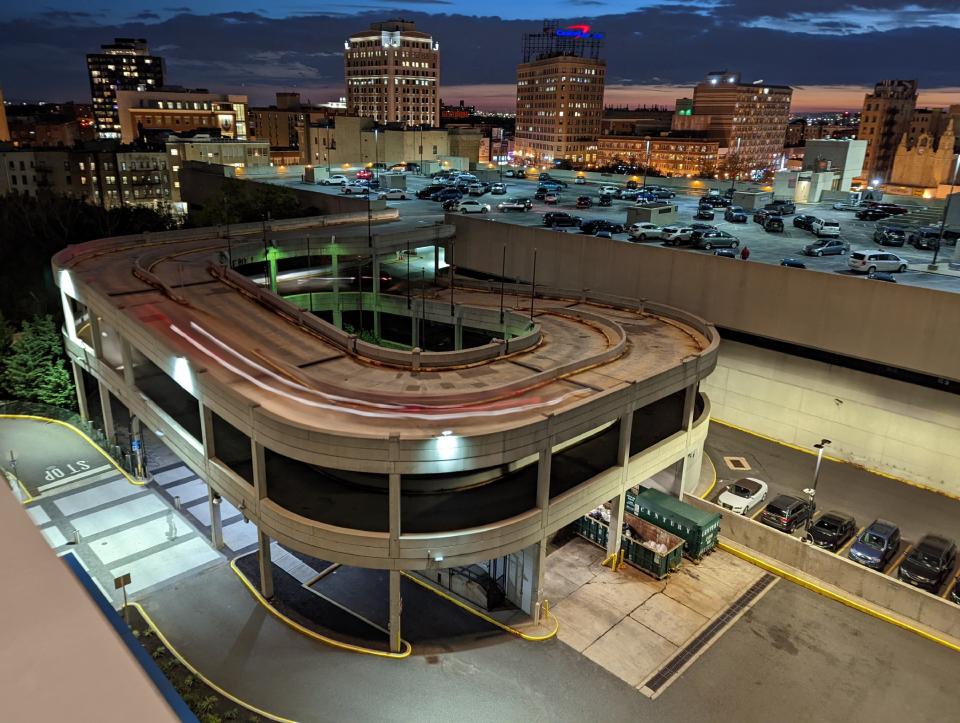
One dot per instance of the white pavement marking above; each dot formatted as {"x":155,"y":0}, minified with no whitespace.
{"x":173,"y":475}
{"x":188,"y":491}
{"x":74,"y":477}
{"x":290,"y":564}
{"x":92,"y":497}
{"x":38,"y":515}
{"x":117,"y":515}
{"x":53,"y":537}
{"x":240,"y":534}
{"x":163,"y":565}
{"x":141,"y":538}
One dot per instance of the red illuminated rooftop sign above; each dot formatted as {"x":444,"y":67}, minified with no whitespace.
{"x":578,"y":31}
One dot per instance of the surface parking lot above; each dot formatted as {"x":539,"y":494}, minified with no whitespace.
{"x":764,"y":247}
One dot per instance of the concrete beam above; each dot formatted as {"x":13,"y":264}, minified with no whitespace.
{"x":126,"y":356}
{"x":108,"y":428}
{"x":266,"y":566}
{"x":623,"y":461}
{"x":216,"y":521}
{"x":81,"y":391}
{"x":394,"y":507}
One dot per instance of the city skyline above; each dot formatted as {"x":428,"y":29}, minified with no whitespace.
{"x":257,"y":54}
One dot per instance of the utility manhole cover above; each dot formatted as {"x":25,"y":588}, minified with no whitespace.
{"x":737,"y":463}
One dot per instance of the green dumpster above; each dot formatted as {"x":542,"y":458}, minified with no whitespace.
{"x":698,"y":529}
{"x":650,"y":548}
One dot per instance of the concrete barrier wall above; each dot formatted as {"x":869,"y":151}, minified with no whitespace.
{"x":904,"y":326}
{"x":874,"y":587}
{"x":892,"y":426}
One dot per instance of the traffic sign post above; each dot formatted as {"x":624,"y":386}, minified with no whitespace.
{"x":120,"y":583}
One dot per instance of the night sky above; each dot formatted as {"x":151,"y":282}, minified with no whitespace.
{"x":828,"y":49}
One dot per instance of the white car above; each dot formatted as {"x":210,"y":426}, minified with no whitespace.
{"x":580,"y":180}
{"x":675,"y":234}
{"x":844,"y":206}
{"x":610,"y":190}
{"x":392,"y":194}
{"x":826,"y":228}
{"x":354,"y":188}
{"x":645,"y":230}
{"x":338,"y":179}
{"x":743,"y":495}
{"x":870,"y":262}
{"x":473,"y":207}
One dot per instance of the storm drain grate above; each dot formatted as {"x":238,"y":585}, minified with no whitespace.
{"x":677,"y":662}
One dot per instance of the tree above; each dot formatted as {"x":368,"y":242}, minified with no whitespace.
{"x":34,"y":369}
{"x":247,"y":202}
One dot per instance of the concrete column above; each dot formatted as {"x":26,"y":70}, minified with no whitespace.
{"x":376,"y":296}
{"x":96,"y":336}
{"x":688,"y":470}
{"x":544,"y":465}
{"x":458,"y":331}
{"x":335,"y":270}
{"x":689,"y":405}
{"x":623,"y":461}
{"x":126,"y":356}
{"x":266,"y":567}
{"x":108,"y":429}
{"x":415,"y":325}
{"x":394,"y":504}
{"x":216,"y":524}
{"x":272,"y":267}
{"x":436,"y":262}
{"x":81,"y":391}
{"x":539,"y":559}
{"x":206,"y":431}
{"x":394,"y":625}
{"x":263,"y":540}
{"x":69,"y":322}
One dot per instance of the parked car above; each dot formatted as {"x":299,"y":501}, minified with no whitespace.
{"x":714,"y":240}
{"x":832,"y":530}
{"x":594,"y":226}
{"x":699,"y":226}
{"x":786,"y":513}
{"x":872,"y":214}
{"x":882,"y":276}
{"x":876,"y":545}
{"x":822,"y":227}
{"x":337,"y":179}
{"x":580,"y":180}
{"x":891,"y":208}
{"x":446,"y":194}
{"x":498,"y":189}
{"x":450,"y":204}
{"x":354,"y":189}
{"x":605,"y":200}
{"x":760,"y":215}
{"x":559,"y":218}
{"x":845,"y":206}
{"x":428,"y":191}
{"x":804,"y":221}
{"x":773,"y":224}
{"x":609,"y":190}
{"x":705,"y":213}
{"x":743,"y":495}
{"x":675,"y":235}
{"x":955,"y":591}
{"x":870,"y":262}
{"x":793,"y":263}
{"x":540,"y":194}
{"x":890,"y":236}
{"x":827,"y":247}
{"x":477,"y":189}
{"x":392,"y":194}
{"x":363,"y":174}
{"x":735,"y":214}
{"x":664,"y":193}
{"x":929,"y":562}
{"x":715,"y":201}
{"x":470,"y":206}
{"x":515,"y":204}
{"x":781,"y":208}
{"x":632,"y":184}
{"x":645,"y":230}
{"x":552,"y":198}
{"x":927,"y":237}
{"x":553,"y":185}
{"x":584,"y":202}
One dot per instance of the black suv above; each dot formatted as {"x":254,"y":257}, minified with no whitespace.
{"x":804,"y":221}
{"x":428,"y":191}
{"x":596,"y":225}
{"x":786,"y":513}
{"x":929,"y":562}
{"x":781,"y":208}
{"x":773,"y":223}
{"x":735,"y":214}
{"x":559,"y":218}
{"x":872,"y":214}
{"x":832,"y":530}
{"x":890,"y":236}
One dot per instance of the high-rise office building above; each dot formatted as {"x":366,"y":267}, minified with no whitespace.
{"x":126,"y":64}
{"x":4,"y":128}
{"x":392,"y":73}
{"x":885,"y":118}
{"x":560,"y":94}
{"x":748,"y":119}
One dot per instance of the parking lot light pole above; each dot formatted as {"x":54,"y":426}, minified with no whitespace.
{"x":646,"y":165}
{"x":819,"y":446}
{"x":946,"y":210}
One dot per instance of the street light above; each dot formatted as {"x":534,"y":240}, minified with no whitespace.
{"x":736,"y":167}
{"x":946,"y":211}
{"x":812,"y":492}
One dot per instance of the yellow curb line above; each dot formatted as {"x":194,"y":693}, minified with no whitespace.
{"x":196,"y":673}
{"x":836,"y":597}
{"x":492,"y":621}
{"x":80,"y":432}
{"x":349,"y":647}
{"x":871,"y":470}
{"x":714,"y":483}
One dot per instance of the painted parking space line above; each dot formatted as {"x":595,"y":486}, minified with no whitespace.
{"x":897,"y":560}
{"x":760,"y":508}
